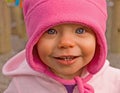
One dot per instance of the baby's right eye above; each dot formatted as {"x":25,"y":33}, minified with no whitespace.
{"x":51,"y":31}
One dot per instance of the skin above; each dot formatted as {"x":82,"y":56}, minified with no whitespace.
{"x":66,"y":49}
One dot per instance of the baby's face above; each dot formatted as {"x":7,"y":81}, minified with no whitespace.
{"x":66,"y":49}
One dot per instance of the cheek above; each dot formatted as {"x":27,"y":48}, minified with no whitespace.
{"x":44,"y":48}
{"x":89,"y":47}
{"x":43,"y":52}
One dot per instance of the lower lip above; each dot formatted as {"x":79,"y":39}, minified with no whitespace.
{"x":66,"y":62}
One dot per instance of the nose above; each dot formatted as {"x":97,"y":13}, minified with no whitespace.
{"x":66,"y":41}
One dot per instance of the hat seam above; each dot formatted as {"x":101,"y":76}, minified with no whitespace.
{"x":97,"y":7}
{"x":32,"y":8}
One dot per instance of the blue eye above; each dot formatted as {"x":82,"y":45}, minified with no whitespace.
{"x":51,"y":31}
{"x":80,"y":31}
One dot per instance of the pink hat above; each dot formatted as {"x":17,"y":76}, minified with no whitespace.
{"x":40,"y":15}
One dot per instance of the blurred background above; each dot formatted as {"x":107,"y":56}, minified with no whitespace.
{"x":13,"y":36}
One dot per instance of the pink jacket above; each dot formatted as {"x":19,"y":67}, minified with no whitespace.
{"x":26,"y":80}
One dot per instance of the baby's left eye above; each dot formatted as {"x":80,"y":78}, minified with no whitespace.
{"x":80,"y":31}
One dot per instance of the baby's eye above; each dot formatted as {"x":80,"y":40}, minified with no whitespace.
{"x":51,"y":31}
{"x":80,"y":31}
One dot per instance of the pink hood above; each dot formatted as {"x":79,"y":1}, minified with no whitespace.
{"x":105,"y":81}
{"x":40,"y":15}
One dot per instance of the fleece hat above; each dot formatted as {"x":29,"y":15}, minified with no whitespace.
{"x":40,"y":15}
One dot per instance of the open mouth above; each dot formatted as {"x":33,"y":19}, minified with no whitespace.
{"x":66,"y":60}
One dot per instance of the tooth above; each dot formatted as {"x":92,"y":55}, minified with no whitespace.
{"x":66,"y":58}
